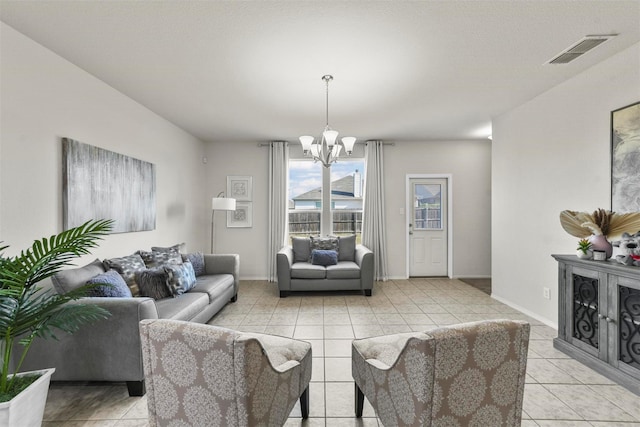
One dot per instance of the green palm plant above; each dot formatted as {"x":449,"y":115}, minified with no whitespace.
{"x":26,"y":311}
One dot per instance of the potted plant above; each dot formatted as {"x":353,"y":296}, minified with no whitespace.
{"x":27,"y":312}
{"x":584,"y":249}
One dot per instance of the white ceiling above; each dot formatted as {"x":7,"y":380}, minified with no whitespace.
{"x":251,"y":70}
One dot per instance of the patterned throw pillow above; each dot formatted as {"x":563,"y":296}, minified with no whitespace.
{"x":325,"y":243}
{"x":154,"y":283}
{"x":181,"y":277}
{"x":197,"y":261}
{"x":323,"y":257}
{"x":127,"y":267}
{"x":175,"y":248}
{"x":109,"y":284}
{"x":156,"y":259}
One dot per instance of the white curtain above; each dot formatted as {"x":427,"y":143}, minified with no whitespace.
{"x":373,"y":216}
{"x":278,"y":175}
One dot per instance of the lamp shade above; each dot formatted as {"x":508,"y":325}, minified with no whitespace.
{"x":223,"y":204}
{"x":348,"y":142}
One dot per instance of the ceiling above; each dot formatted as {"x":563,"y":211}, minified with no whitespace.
{"x":251,"y":70}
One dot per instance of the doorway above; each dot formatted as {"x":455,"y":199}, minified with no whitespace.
{"x":429,"y":226}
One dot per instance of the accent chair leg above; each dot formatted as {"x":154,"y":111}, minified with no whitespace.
{"x":136,"y":388}
{"x":367,"y":292}
{"x":283,"y":294}
{"x":234,"y":298}
{"x":304,"y":403}
{"x":359,"y":401}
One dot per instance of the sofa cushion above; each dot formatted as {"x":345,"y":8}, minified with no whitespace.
{"x":306,"y":270}
{"x":156,"y":259}
{"x":181,"y":277}
{"x":127,"y":266}
{"x":325,"y":243}
{"x":322,"y":257}
{"x":197,"y":260}
{"x":154,"y":283}
{"x":69,"y":280}
{"x":347,"y":247}
{"x":301,"y":249}
{"x":109,"y":284}
{"x":184,"y":307}
{"x":213,"y":285}
{"x":343,"y":270}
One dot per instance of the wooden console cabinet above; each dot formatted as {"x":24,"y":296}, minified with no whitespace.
{"x":599,"y":317}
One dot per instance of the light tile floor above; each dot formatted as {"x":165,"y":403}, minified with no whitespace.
{"x":559,"y":391}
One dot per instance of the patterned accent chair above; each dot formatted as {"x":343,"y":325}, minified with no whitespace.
{"x":471,"y":374}
{"x":203,"y":375}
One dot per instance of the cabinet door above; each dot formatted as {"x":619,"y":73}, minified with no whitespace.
{"x":587,"y":297}
{"x":624,"y":324}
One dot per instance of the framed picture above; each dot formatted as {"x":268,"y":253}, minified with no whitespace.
{"x":625,"y":159}
{"x":241,"y":217}
{"x":240,"y":188}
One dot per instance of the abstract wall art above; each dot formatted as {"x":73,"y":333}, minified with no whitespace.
{"x":625,"y":159}
{"x":101,"y":184}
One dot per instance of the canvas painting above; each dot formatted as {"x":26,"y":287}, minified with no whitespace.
{"x":101,"y":184}
{"x":625,"y":159}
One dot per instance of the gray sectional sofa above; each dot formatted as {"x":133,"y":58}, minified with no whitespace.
{"x":110,"y":350}
{"x":296,"y":270}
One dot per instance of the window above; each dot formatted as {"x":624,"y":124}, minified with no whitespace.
{"x":306,"y":209}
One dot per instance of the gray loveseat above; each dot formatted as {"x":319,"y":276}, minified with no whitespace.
{"x":353,"y":270}
{"x":110,"y":350}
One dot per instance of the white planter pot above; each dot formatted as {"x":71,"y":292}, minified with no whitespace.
{"x":27,"y":408}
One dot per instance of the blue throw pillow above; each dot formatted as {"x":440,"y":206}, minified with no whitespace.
{"x":181,"y":277}
{"x":324,"y":257}
{"x":109,"y":284}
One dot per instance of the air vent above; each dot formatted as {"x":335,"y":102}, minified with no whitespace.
{"x":580,"y":48}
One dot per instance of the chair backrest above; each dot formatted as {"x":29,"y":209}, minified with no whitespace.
{"x":479,"y":373}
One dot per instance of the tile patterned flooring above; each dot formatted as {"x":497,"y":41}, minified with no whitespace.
{"x":559,"y":391}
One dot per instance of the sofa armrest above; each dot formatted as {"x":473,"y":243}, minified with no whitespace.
{"x":364,"y":258}
{"x":284,"y":261}
{"x":224,"y":264}
{"x":112,"y":345}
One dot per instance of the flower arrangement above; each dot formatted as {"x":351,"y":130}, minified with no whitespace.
{"x":599,"y":223}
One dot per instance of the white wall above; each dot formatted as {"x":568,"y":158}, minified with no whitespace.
{"x":244,"y":159}
{"x":45,"y":98}
{"x":552,"y":154}
{"x":469,"y":163}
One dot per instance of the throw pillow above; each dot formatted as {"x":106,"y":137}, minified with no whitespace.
{"x":127,"y":266}
{"x":108,"y":284}
{"x":324,"y":243}
{"x":181,"y":277}
{"x":156,"y":259}
{"x":154,"y":283}
{"x":197,"y":261}
{"x":175,"y":248}
{"x":68,"y":280}
{"x":301,"y":249}
{"x":347,"y":247}
{"x":324,"y":257}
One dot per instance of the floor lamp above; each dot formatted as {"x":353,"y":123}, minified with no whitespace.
{"x":220,"y":203}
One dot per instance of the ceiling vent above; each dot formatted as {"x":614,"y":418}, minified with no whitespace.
{"x":580,"y":48}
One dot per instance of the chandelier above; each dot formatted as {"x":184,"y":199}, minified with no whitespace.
{"x":325,"y":149}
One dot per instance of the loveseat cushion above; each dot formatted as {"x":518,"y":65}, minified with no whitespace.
{"x":184,"y":307}
{"x":213,"y":285}
{"x":343,"y":270}
{"x":71,"y":279}
{"x":306,"y":270}
{"x":301,"y":249}
{"x":347,"y":247}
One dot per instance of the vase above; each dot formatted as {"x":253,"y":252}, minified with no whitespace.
{"x":600,"y":243}
{"x":27,"y":408}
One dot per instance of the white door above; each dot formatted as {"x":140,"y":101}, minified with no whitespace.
{"x":428,"y":227}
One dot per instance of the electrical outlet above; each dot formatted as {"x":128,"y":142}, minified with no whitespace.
{"x":546,"y":293}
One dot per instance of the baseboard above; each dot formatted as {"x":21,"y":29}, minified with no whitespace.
{"x":529,"y":313}
{"x":471,"y":277}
